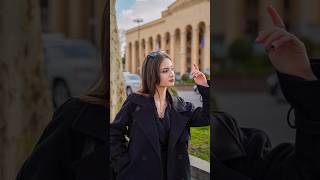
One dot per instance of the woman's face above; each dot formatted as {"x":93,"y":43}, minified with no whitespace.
{"x":166,"y":73}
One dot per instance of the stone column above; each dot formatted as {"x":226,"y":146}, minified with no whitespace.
{"x":234,"y":21}
{"x":133,"y":62}
{"x":195,"y":46}
{"x":75,"y":24}
{"x":206,"y":63}
{"x":172,"y":41}
{"x":57,"y":13}
{"x":141,"y":56}
{"x":183,"y":53}
{"x":128,"y":60}
{"x":163,"y":42}
{"x":154,"y":44}
{"x":147,"y":49}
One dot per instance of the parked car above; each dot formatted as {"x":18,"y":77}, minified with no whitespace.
{"x":132,"y":82}
{"x":72,"y":66}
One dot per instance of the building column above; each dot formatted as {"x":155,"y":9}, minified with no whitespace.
{"x":172,"y":42}
{"x":149,"y":45}
{"x":154,"y":44}
{"x":183,"y":53}
{"x":141,"y":51}
{"x":234,"y":21}
{"x":206,"y":63}
{"x":75,"y":23}
{"x":195,"y":46}
{"x":58,"y":10}
{"x":147,"y":49}
{"x":133,"y":62}
{"x":128,"y":60}
{"x":163,"y":42}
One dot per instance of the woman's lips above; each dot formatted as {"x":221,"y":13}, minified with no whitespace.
{"x":172,"y":80}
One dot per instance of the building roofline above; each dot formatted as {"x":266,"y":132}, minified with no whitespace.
{"x":174,"y":7}
{"x":149,"y":24}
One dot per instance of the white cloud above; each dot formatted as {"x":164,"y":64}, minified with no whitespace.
{"x":148,"y":10}
{"x":126,"y":12}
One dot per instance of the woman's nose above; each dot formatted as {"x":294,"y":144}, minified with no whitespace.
{"x":172,"y":73}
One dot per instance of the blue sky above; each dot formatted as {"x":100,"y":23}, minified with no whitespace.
{"x":148,"y":10}
{"x":124,"y":4}
{"x":127,"y":10}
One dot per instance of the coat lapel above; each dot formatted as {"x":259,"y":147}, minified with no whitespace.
{"x":92,"y":121}
{"x":178,"y":121}
{"x":146,"y":119}
{"x":178,"y":125}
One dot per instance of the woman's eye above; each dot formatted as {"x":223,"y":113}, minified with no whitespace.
{"x":167,"y":70}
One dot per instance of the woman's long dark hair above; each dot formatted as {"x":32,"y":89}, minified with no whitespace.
{"x":150,"y":72}
{"x":98,"y":93}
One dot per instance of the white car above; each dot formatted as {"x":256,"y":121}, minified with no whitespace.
{"x":132,"y":82}
{"x":72,"y":66}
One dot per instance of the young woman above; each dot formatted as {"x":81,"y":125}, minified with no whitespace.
{"x":74,"y":145}
{"x":245,"y":153}
{"x":156,"y":125}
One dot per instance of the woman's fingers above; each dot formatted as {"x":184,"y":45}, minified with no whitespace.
{"x":196,"y":67}
{"x":275,"y":17}
{"x":194,"y":73}
{"x":197,"y":74}
{"x":283,"y":40}
{"x":263,"y":35}
{"x":273,"y":37}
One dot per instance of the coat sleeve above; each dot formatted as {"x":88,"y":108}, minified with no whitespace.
{"x":199,"y":116}
{"x":304,"y":97}
{"x":118,"y":130}
{"x":49,"y":157}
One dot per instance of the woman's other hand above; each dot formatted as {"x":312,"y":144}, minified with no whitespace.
{"x":198,"y":76}
{"x":286,"y":52}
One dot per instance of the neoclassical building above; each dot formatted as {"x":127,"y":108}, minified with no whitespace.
{"x":183,"y":31}
{"x":237,"y":18}
{"x":79,"y":19}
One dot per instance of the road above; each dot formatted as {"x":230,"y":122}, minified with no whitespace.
{"x":252,"y":109}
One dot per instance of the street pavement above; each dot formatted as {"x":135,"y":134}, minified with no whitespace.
{"x":252,"y":109}
{"x":258,"y":110}
{"x":191,"y":96}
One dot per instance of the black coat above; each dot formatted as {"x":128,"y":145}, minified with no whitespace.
{"x":246,"y":153}
{"x":72,"y":147}
{"x":140,"y":159}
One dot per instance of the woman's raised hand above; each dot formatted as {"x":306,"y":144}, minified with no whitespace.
{"x":286,"y":52}
{"x":198,"y":77}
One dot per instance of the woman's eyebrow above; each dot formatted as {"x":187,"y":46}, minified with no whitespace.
{"x":167,"y":67}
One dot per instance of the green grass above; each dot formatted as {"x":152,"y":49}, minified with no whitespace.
{"x":200,"y":142}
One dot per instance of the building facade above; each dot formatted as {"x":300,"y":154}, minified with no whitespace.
{"x":183,"y":31}
{"x":75,"y":19}
{"x":233,"y":19}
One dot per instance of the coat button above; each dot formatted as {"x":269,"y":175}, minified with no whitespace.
{"x":144,"y":157}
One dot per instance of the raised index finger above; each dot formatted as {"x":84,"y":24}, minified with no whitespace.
{"x":195,"y":67}
{"x":275,"y":17}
